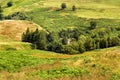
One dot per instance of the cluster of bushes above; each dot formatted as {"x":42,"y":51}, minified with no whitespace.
{"x":70,"y":41}
{"x":18,"y":16}
{"x":63,"y":6}
{"x":2,"y":17}
{"x":15,"y":15}
{"x":37,"y":38}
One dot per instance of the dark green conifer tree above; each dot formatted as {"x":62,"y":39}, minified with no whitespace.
{"x":1,"y":13}
{"x":63,"y":6}
{"x":42,"y":42}
{"x":73,"y":8}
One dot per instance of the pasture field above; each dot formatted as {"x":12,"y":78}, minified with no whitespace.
{"x":44,"y":12}
{"x":43,"y":65}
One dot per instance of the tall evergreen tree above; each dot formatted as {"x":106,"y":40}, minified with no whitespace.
{"x":63,"y":6}
{"x":1,"y":16}
{"x":73,"y":8}
{"x":1,"y":10}
{"x":97,"y":42}
{"x":50,"y":37}
{"x":1,"y":13}
{"x":26,"y":36}
{"x":89,"y":44}
{"x":64,"y":40}
{"x":42,"y":42}
{"x":81,"y":46}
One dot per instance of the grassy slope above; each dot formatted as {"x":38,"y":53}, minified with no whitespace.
{"x":95,"y":65}
{"x":29,"y":64}
{"x":11,"y":31}
{"x":44,"y":12}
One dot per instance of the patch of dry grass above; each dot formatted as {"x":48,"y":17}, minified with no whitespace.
{"x":13,"y":29}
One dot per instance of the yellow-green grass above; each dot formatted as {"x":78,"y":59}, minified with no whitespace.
{"x":94,"y":65}
{"x":13,"y":29}
{"x":88,"y":8}
{"x":101,"y":64}
{"x":11,"y":33}
{"x":15,"y":46}
{"x":44,"y":12}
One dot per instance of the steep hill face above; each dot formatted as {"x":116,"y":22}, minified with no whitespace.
{"x":13,"y":29}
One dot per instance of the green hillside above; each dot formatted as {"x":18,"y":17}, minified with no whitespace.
{"x":43,"y":65}
{"x":39,"y":40}
{"x":44,"y":12}
{"x":10,"y":34}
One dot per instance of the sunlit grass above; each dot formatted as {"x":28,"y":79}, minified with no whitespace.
{"x":36,"y":64}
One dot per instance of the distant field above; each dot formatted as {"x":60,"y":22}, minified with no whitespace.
{"x":88,"y":8}
{"x":44,"y":12}
{"x":43,"y":65}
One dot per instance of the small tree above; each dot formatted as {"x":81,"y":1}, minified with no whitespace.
{"x":89,"y":44}
{"x":81,"y":47}
{"x":9,"y":4}
{"x":73,"y":8}
{"x":1,"y":10}
{"x":1,"y":14}
{"x":119,"y":35}
{"x":63,"y":6}
{"x":64,"y":40}
{"x":93,"y":25}
{"x":26,"y":36}
{"x":41,"y":43}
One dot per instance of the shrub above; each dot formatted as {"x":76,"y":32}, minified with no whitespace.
{"x":1,"y":10}
{"x":93,"y":25}
{"x":18,"y":16}
{"x":73,"y":8}
{"x":63,"y":6}
{"x":9,"y":4}
{"x":11,"y":49}
{"x":1,"y":16}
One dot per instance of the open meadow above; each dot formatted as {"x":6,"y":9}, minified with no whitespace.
{"x":43,"y":65}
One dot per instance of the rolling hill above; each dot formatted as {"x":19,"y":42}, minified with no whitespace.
{"x":44,"y":12}
{"x":43,"y":65}
{"x":14,"y":28}
{"x":11,"y":32}
{"x":19,"y":61}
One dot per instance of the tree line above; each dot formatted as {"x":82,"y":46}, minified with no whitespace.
{"x":70,"y":41}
